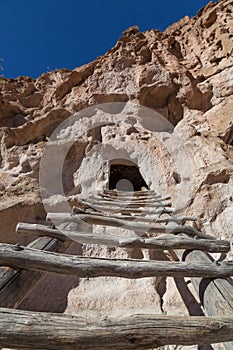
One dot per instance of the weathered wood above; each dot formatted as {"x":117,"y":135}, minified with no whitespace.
{"x":45,"y":331}
{"x":134,"y":226}
{"x":128,"y":196}
{"x":129,"y":193}
{"x":151,"y":219}
{"x":158,"y":243}
{"x":33,"y":259}
{"x":15,"y":285}
{"x":133,"y":200}
{"x":152,"y":197}
{"x":127,"y":211}
{"x":216,"y":295}
{"x":127,"y":205}
{"x":42,"y":230}
{"x":115,"y":206}
{"x":123,"y":209}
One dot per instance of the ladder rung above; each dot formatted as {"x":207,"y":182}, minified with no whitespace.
{"x":40,"y":330}
{"x":166,"y":242}
{"x":33,"y":259}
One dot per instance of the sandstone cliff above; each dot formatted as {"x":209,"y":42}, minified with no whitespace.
{"x":181,"y":140}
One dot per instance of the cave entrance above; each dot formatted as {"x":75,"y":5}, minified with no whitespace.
{"x":126,"y":178}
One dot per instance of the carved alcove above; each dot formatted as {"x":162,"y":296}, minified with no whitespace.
{"x":125,"y":176}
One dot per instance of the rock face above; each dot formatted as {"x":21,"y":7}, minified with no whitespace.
{"x":160,"y":101}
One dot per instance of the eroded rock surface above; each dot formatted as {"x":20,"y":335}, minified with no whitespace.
{"x":182,"y":144}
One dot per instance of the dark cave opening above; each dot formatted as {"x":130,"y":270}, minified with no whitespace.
{"x":126,"y":178}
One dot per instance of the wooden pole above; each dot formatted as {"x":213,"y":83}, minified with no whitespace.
{"x":33,"y":259}
{"x":216,"y":295}
{"x":151,"y":202}
{"x":126,"y":210}
{"x":209,"y":290}
{"x":149,"y":219}
{"x":134,"y":226}
{"x":129,"y":196}
{"x":165,"y":243}
{"x":45,"y":331}
{"x":42,"y":230}
{"x":119,"y":204}
{"x":130,"y":200}
{"x":115,"y":206}
{"x":129,"y":193}
{"x":15,"y":285}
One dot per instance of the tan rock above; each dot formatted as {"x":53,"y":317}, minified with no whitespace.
{"x":161,"y":101}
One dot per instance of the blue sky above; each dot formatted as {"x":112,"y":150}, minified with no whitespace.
{"x":41,"y":35}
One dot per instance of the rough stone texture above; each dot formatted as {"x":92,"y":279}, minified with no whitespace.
{"x":186,"y":75}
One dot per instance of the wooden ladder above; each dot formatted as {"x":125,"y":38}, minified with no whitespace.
{"x":147,"y":214}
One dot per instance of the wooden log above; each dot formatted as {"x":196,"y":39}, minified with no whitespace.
{"x":129,"y":208}
{"x":214,"y":303}
{"x":118,"y":208}
{"x":165,"y":243}
{"x":151,"y":197}
{"x":129,"y":193}
{"x":151,"y":219}
{"x":128,"y":197}
{"x":33,"y":259}
{"x":134,"y":226}
{"x":41,"y":230}
{"x":15,"y":285}
{"x":132,"y":204}
{"x":127,"y":211}
{"x":216,"y":295}
{"x":46,"y":331}
{"x":132,"y":200}
{"x":120,"y":204}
